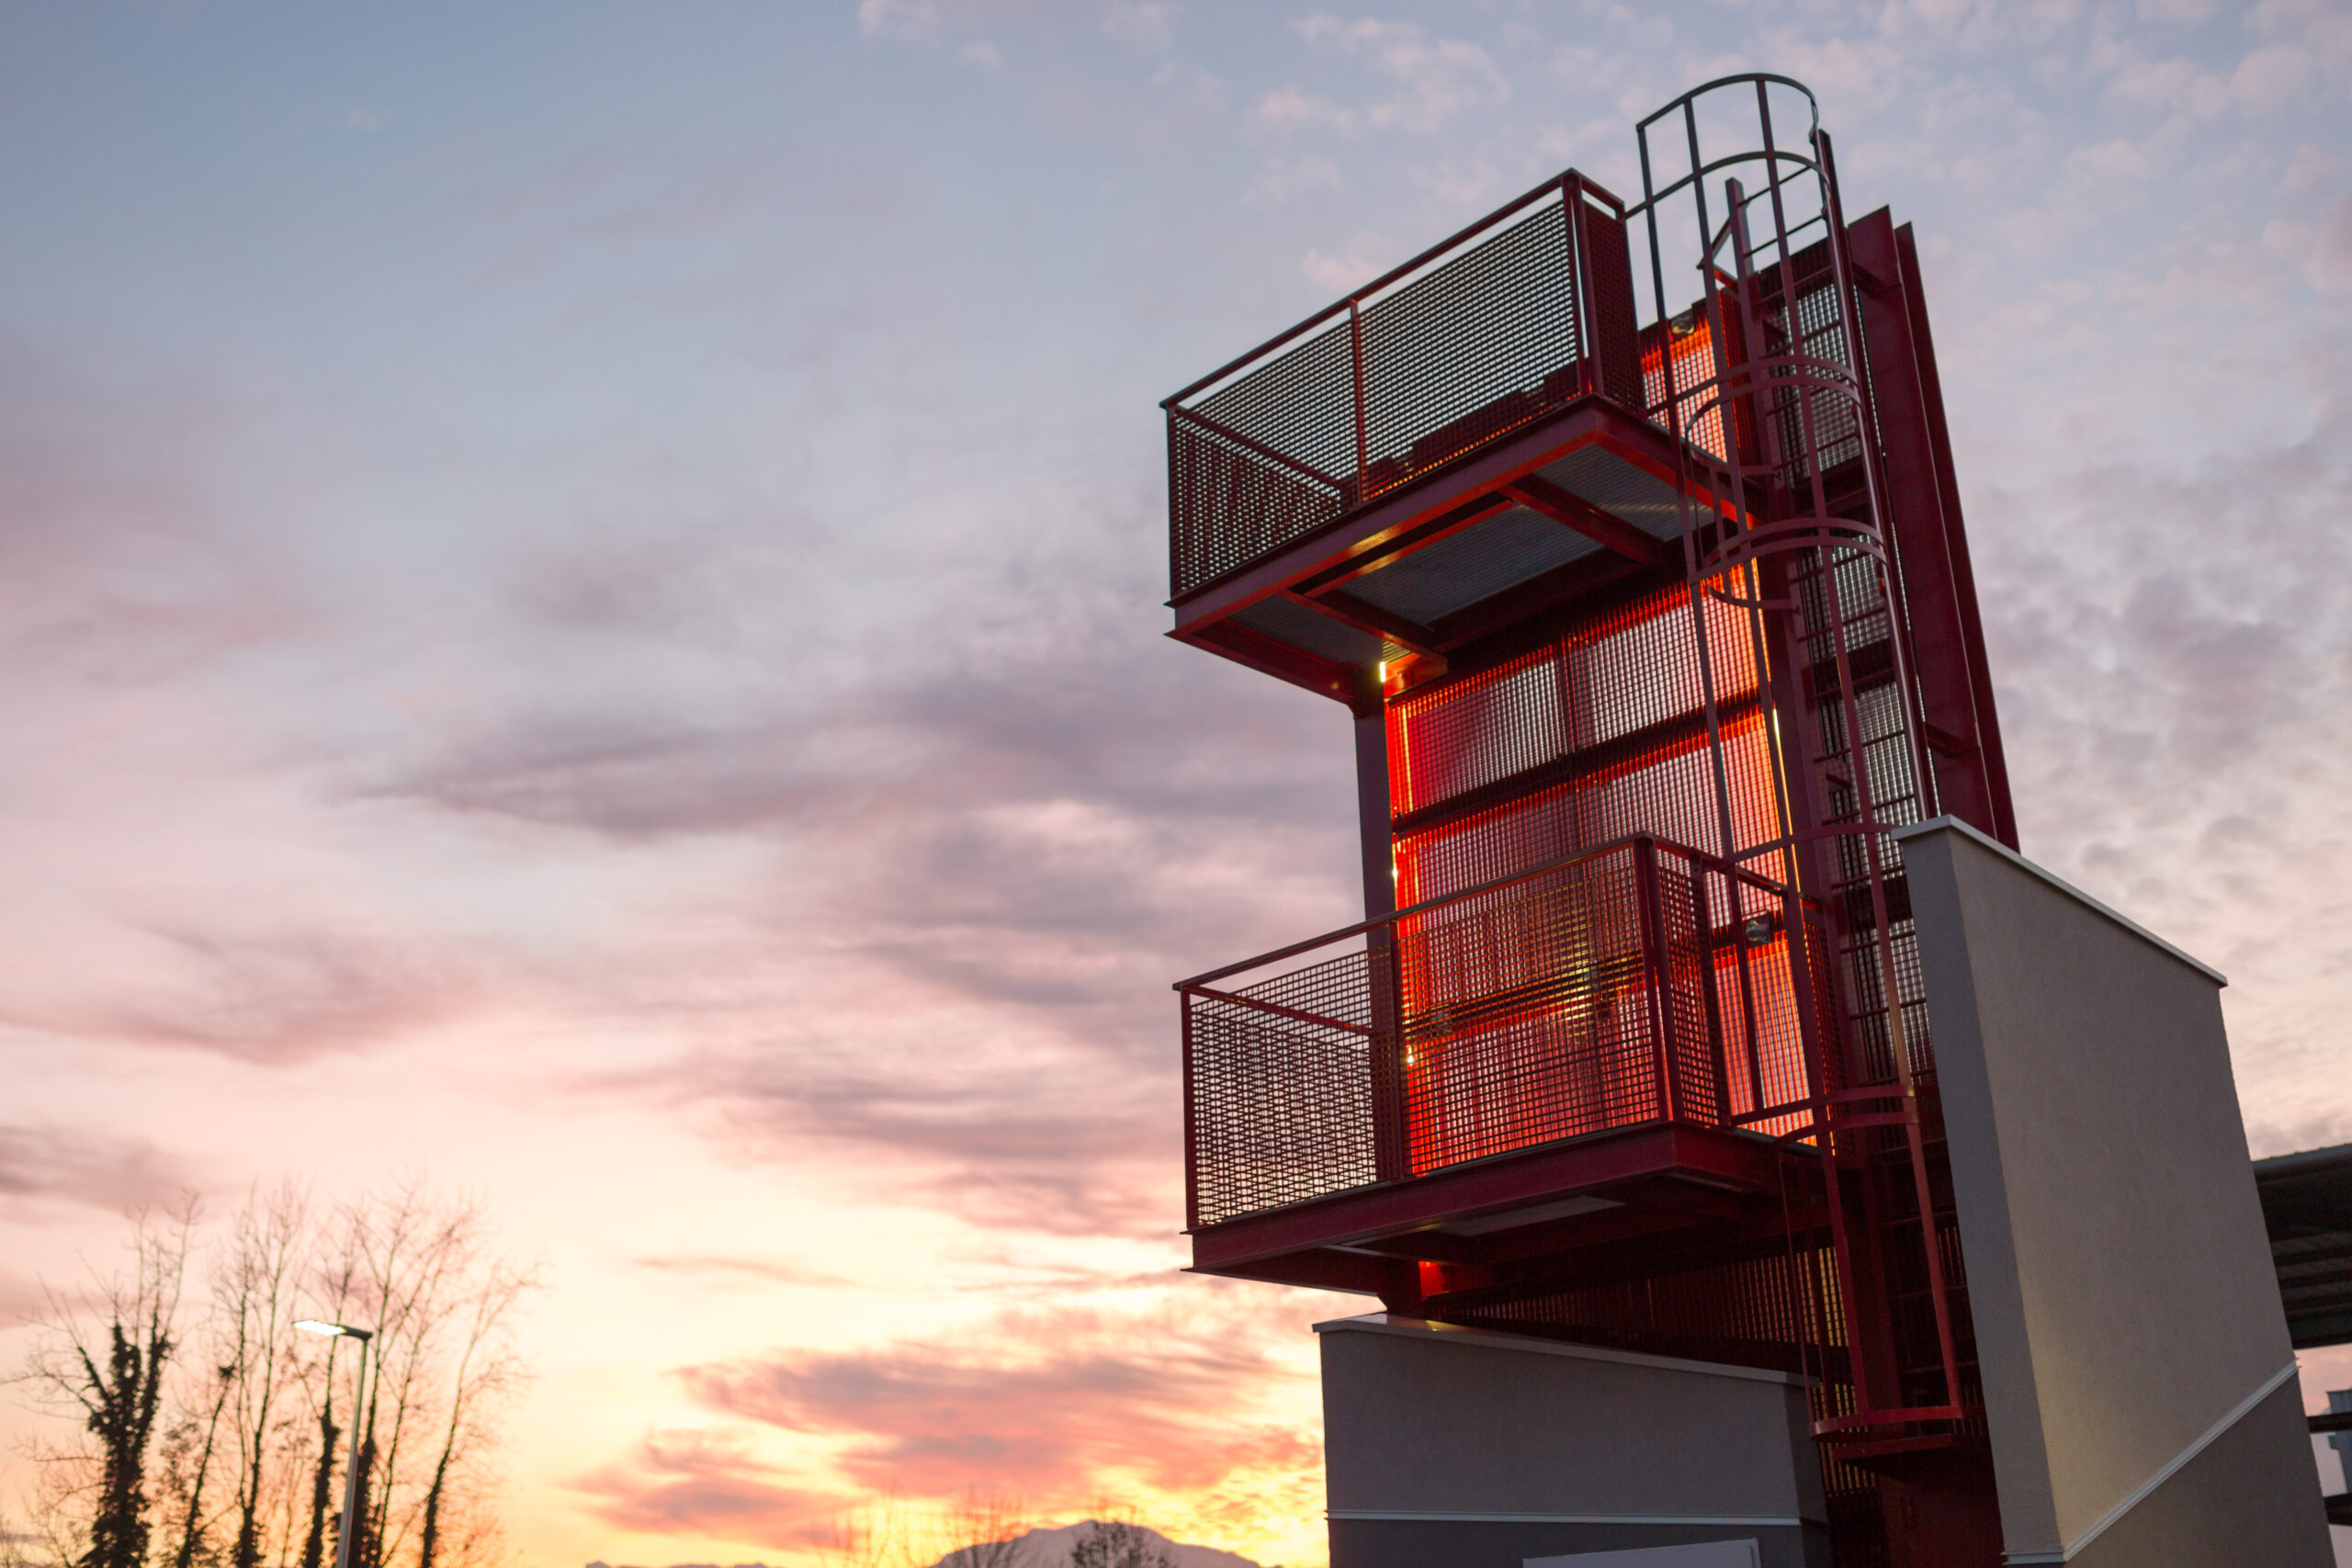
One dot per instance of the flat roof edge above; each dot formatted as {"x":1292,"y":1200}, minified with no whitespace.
{"x":1986,"y":841}
{"x":2332,"y":1160}
{"x":1421,"y":1328}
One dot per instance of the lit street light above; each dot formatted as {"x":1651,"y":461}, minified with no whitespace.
{"x":351,"y":1470}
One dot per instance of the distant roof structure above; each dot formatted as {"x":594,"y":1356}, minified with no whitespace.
{"x":2307,"y":1208}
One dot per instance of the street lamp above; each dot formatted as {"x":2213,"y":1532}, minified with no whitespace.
{"x":351,"y":1470}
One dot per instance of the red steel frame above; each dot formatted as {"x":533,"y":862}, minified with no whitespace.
{"x":1385,"y":1107}
{"x":1792,"y":530}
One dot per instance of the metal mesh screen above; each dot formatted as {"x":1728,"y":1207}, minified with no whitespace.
{"x":1747,"y":1311}
{"x":1301,"y":402}
{"x":1815,"y":326}
{"x":1527,"y":1018}
{"x":1281,"y":1100}
{"x":1679,"y":364}
{"x":1638,"y":667}
{"x":1404,"y":376}
{"x":1616,"y":343}
{"x":1619,"y":695}
{"x":1771,"y":1069}
{"x":1669,"y":789}
{"x":1476,"y":732}
{"x":1227,"y":506}
{"x":1680,"y":947}
{"x":1528,"y":830}
{"x":1841,"y":594}
{"x":1469,"y":349}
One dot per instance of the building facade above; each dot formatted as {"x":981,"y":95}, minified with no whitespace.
{"x":1628,"y":536}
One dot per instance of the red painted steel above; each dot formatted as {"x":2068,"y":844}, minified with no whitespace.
{"x":1636,"y":810}
{"x":1803,"y":514}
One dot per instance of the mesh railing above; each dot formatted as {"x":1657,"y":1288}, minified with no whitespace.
{"x":1638,"y":983}
{"x":1493,"y":328}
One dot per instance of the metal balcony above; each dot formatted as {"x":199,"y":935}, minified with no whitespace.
{"x":1512,"y":318}
{"x":1471,"y":439}
{"x":1640,"y":985}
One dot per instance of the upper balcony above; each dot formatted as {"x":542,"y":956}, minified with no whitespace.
{"x":1618,"y":1043}
{"x":1468,"y":438}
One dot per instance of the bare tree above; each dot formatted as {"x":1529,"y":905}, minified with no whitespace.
{"x":987,"y":1530}
{"x":410,"y":1251}
{"x":423,"y":1275}
{"x":111,"y":1374}
{"x":488,"y":1366}
{"x":256,"y":1292}
{"x":1119,"y":1543}
{"x":58,"y":1502}
{"x":15,"y":1545}
{"x":188,"y":1450}
{"x":336,"y":1283}
{"x":872,"y":1534}
{"x":237,"y":1450}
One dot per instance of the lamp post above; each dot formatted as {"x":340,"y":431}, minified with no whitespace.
{"x":351,"y":1470}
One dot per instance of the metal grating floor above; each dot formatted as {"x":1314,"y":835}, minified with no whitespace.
{"x":1616,"y":486}
{"x":1471,"y":565}
{"x":1289,"y":621}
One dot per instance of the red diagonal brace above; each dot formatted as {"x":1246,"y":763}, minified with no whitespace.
{"x":1602,"y":528}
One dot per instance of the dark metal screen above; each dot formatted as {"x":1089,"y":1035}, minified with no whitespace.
{"x":1279,"y":1084}
{"x":1227,"y":504}
{"x":1470,"y":349}
{"x":1747,"y":1311}
{"x":1476,"y":731}
{"x":1497,"y":326}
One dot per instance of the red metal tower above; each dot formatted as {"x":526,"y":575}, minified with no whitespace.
{"x":1647,"y":590}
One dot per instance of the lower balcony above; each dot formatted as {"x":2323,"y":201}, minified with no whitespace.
{"x":1615,"y":1045}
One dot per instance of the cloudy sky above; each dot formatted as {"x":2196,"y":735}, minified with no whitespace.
{"x":581,"y":592}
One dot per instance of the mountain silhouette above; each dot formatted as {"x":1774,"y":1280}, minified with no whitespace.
{"x":1050,"y":1548}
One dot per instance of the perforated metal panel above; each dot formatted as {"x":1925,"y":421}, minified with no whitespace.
{"x":1428,"y":364}
{"x":1300,"y":403}
{"x":1638,"y":668}
{"x":1669,"y":790}
{"x":1483,"y":846}
{"x":1281,"y":1095}
{"x":1816,"y":433}
{"x":1476,"y":731}
{"x":1617,"y":704}
{"x":1228,"y":505}
{"x":1529,"y":1018}
{"x":1744,"y":1311}
{"x":1680,"y":364}
{"x":1610,"y":276}
{"x":1461,"y":353}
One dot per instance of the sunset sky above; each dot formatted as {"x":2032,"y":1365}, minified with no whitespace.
{"x":581,"y":590}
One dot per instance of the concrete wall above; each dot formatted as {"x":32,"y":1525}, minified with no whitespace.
{"x":2134,"y":1353}
{"x":1479,"y":1449}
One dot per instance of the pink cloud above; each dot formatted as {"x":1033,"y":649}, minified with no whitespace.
{"x":1050,"y":1403}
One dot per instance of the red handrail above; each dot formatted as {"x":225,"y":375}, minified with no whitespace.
{"x":1700,"y":857}
{"x":1494,"y":219}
